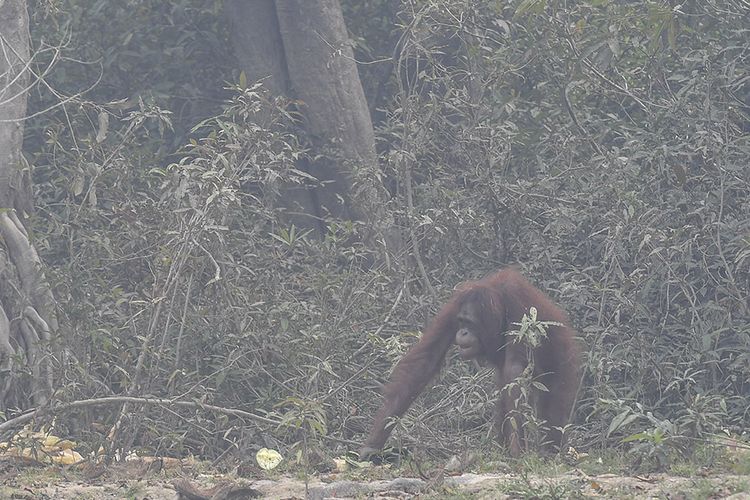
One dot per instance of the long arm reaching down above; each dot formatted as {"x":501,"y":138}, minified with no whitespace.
{"x":411,"y":375}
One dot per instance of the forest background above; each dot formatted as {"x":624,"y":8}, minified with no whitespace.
{"x":276,"y":247}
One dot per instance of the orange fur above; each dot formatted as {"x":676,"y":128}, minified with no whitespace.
{"x":502,"y":299}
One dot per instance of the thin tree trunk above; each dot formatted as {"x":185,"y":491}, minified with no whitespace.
{"x":14,"y":79}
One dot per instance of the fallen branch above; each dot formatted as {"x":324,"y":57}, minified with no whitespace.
{"x":62,"y":407}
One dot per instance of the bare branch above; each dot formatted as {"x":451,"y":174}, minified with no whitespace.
{"x":62,"y":407}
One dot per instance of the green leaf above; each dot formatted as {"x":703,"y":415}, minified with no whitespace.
{"x":531,"y":7}
{"x":78,"y":184}
{"x":640,"y":436}
{"x":621,"y":420}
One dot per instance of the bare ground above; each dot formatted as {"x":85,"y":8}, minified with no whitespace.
{"x":143,"y":481}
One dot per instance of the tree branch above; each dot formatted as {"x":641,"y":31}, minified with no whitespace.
{"x":83,"y":403}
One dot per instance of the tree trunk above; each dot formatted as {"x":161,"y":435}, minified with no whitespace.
{"x":34,"y":322}
{"x":300,"y":49}
{"x":257,"y":41}
{"x":14,"y":29}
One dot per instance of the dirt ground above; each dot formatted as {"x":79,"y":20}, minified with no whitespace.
{"x":144,"y":481}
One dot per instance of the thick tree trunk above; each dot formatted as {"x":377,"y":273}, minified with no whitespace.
{"x":324,"y":77}
{"x":301,"y":49}
{"x":260,"y":52}
{"x":30,"y":333}
{"x":257,"y":41}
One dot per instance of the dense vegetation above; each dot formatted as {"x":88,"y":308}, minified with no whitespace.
{"x":599,"y":146}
